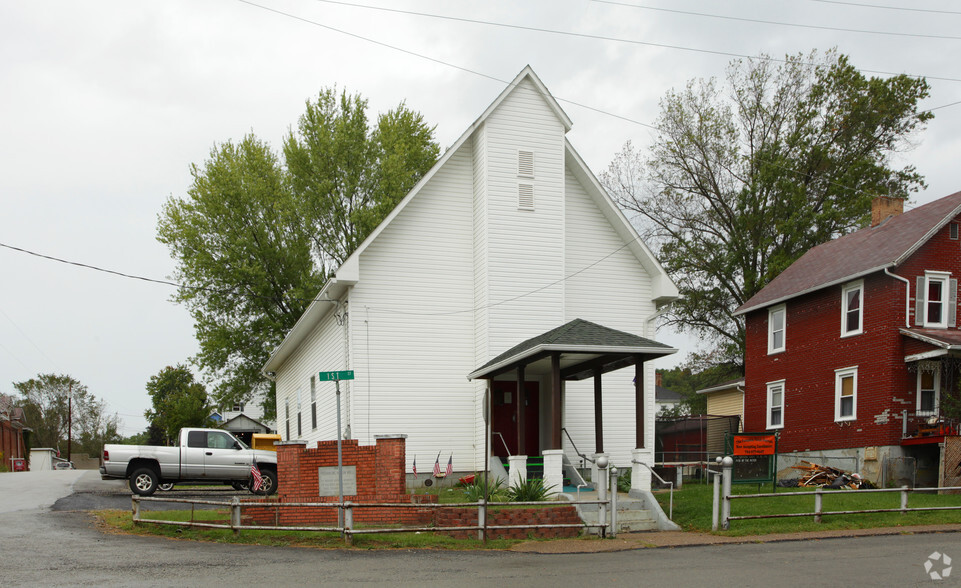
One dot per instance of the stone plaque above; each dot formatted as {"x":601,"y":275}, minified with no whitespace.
{"x":328,"y":480}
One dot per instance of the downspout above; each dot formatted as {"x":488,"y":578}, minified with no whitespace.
{"x":907,"y":297}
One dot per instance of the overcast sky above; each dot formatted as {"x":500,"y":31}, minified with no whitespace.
{"x":104,"y":105}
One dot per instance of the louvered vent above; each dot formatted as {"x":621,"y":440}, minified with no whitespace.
{"x":525,"y":164}
{"x":525,"y":196}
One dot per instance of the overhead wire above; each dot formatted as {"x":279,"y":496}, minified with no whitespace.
{"x":777,"y":23}
{"x":882,"y":7}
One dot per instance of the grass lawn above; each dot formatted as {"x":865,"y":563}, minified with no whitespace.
{"x":692,"y":509}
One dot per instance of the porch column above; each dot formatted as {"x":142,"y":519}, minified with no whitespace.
{"x":598,"y":414}
{"x":519,"y":415}
{"x":556,"y":401}
{"x":639,"y":402}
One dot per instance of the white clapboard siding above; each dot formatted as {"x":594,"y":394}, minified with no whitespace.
{"x":413,"y":323}
{"x":323,"y":350}
{"x":613,"y":290}
{"x":525,"y":248}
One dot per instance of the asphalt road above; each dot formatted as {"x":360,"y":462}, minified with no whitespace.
{"x":43,"y":545}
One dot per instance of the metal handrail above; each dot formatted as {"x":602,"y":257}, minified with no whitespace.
{"x":576,"y":450}
{"x":670,"y":513}
{"x":583,"y":483}
{"x":506,"y":448}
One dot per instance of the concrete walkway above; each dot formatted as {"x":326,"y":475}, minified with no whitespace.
{"x":37,"y":490}
{"x":663,"y":539}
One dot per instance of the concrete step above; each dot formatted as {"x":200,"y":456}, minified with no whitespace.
{"x":632,"y":519}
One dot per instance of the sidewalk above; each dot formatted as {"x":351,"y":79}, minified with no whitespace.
{"x":662,"y":539}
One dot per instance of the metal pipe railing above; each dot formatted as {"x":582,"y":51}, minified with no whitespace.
{"x":670,"y":513}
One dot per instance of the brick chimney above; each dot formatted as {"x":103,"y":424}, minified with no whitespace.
{"x":884,"y":206}
{"x":658,"y":379}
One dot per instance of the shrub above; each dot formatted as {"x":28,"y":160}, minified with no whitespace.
{"x":495,"y":491}
{"x":532,"y":490}
{"x":624,"y":480}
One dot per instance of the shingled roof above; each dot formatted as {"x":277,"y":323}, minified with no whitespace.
{"x":578,"y":337}
{"x":858,"y":254}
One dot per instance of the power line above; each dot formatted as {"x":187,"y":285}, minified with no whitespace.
{"x":535,"y":29}
{"x":777,"y":23}
{"x":906,"y":9}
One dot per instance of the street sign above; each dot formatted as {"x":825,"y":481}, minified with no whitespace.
{"x":335,"y":376}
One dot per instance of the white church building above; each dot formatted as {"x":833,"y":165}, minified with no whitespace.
{"x":507,"y":262}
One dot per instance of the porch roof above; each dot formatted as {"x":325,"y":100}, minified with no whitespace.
{"x":584,"y":348}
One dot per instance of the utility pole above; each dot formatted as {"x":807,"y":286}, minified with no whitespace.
{"x":69,"y":420}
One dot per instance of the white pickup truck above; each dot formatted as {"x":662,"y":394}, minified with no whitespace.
{"x":202,"y":455}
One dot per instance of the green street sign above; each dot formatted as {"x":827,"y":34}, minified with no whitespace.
{"x":334,"y":376}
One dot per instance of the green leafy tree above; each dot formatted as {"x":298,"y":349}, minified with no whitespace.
{"x":347,"y":176}
{"x":696,"y":375}
{"x":742,"y":180}
{"x":50,"y":402}
{"x":244,"y":256}
{"x":254,"y":239}
{"x":178,"y":401}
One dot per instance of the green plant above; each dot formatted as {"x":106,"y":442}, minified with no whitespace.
{"x":495,"y":491}
{"x":624,"y":480}
{"x":532,"y":490}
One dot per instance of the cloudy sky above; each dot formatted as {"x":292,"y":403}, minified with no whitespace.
{"x":105,"y":104}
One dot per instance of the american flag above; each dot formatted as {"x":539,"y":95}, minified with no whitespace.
{"x":255,"y":474}
{"x":437,"y":466}
{"x":415,"y":465}
{"x":450,"y":464}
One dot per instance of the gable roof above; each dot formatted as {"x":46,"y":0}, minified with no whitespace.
{"x":348,"y":273}
{"x":858,"y":254}
{"x":723,"y":386}
{"x":582,"y":338}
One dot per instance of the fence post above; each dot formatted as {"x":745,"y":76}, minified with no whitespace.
{"x":716,"y":506}
{"x":135,"y":506}
{"x":614,"y":474}
{"x":235,"y":515}
{"x":602,"y":478}
{"x":678,"y":476}
{"x":348,"y":523}
{"x":904,"y":499}
{"x":727,"y":467}
{"x":818,"y":495}
{"x":481,"y":519}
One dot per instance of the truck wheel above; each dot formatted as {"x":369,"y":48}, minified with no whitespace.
{"x":166,"y":486}
{"x":143,"y":481}
{"x":269,"y":484}
{"x":240,"y":485}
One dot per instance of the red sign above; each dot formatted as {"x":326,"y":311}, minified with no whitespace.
{"x":754,"y":444}
{"x":19,"y":464}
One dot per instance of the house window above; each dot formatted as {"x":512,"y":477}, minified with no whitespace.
{"x":775,"y":405}
{"x":238,"y":407}
{"x":313,"y":403}
{"x":287,"y":418}
{"x":929,"y":391}
{"x":776,"y":318}
{"x":935,"y":299}
{"x":845,"y":394}
{"x":300,"y":430}
{"x":954,"y":231}
{"x":852,"y":309}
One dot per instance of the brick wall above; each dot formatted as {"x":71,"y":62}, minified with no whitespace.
{"x":815,"y":349}
{"x":380,"y":479}
{"x":559,"y":515}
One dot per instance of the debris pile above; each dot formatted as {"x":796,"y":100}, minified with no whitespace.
{"x":813,"y":474}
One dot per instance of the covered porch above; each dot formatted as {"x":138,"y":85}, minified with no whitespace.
{"x":532,"y":422}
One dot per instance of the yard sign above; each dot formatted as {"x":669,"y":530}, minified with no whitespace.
{"x":755,"y":457}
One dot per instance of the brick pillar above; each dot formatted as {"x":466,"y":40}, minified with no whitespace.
{"x":288,"y":467}
{"x":390,"y":464}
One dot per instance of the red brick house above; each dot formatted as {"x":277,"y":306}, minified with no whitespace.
{"x":12,"y":446}
{"x":849,"y":351}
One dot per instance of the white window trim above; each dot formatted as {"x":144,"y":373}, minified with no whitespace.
{"x":770,"y":329}
{"x":945,"y":279}
{"x":937,"y":395}
{"x":859,"y":285}
{"x":838,"y":376}
{"x":767,"y":413}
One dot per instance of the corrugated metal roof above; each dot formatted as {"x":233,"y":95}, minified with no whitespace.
{"x":858,"y":254}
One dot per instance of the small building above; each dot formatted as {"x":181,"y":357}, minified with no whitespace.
{"x":12,"y":428}
{"x":853,"y":351}
{"x":725,"y":401}
{"x":506,"y":278}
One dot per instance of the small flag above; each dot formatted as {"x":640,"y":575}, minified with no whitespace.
{"x":450,"y":464}
{"x":437,"y":466}
{"x":415,"y":465}
{"x":255,"y":474}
